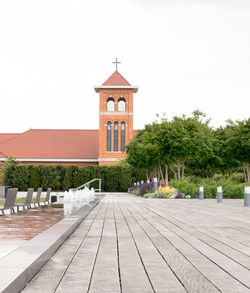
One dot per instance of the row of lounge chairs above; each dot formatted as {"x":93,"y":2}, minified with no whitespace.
{"x":10,"y":202}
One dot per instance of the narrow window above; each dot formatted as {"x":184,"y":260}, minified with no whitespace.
{"x":110,"y":105}
{"x":122,"y":105}
{"x":116,"y":137}
{"x":109,"y":136}
{"x":123,"y":137}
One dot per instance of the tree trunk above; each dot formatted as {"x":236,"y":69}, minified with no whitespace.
{"x":182,"y":171}
{"x":175,"y":175}
{"x":156,"y":173}
{"x":179,"y":170}
{"x":160,"y":169}
{"x":166,"y":175}
{"x":213,"y":173}
{"x":150,"y":174}
{"x":246,"y":170}
{"x":245,"y":173}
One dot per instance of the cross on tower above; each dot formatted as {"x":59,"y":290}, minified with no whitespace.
{"x":116,"y":62}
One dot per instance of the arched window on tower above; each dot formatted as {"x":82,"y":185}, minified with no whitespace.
{"x":123,"y":137}
{"x":122,"y":105}
{"x":116,"y":137}
{"x":110,"y":104}
{"x":109,"y":136}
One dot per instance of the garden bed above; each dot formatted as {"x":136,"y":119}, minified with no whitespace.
{"x":187,"y":189}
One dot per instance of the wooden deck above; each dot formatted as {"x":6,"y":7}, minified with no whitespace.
{"x":129,"y":244}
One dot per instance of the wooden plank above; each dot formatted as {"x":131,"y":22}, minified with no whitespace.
{"x":160,"y":274}
{"x":133,"y":276}
{"x":48,"y":279}
{"x":205,"y":225}
{"x":105,"y":276}
{"x":191,"y":278}
{"x":203,"y":257}
{"x":230,"y":251}
{"x":133,"y":245}
{"x":78,"y":274}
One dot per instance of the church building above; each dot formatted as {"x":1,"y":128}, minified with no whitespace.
{"x":105,"y":146}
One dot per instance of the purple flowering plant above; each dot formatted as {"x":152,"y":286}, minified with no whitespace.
{"x":141,"y":189}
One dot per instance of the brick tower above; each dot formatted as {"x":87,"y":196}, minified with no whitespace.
{"x":115,"y":117}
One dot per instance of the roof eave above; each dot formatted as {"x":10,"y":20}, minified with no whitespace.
{"x":52,"y":160}
{"x":134,"y":88}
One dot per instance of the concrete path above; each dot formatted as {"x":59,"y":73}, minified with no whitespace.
{"x":132,"y":245}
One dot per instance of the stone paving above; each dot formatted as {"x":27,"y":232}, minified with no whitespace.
{"x":133,"y":245}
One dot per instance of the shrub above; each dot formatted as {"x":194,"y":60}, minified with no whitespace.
{"x":67,"y":180}
{"x":50,"y":177}
{"x":230,"y":190}
{"x":135,"y":190}
{"x":180,"y":195}
{"x":81,"y":176}
{"x":114,"y":178}
{"x":126,"y":177}
{"x":34,"y":177}
{"x":147,"y":187}
{"x":156,"y":195}
{"x":185,"y":187}
{"x":237,"y":178}
{"x":19,"y":176}
{"x":60,"y":171}
{"x":167,"y":190}
{"x":233,"y":190}
{"x":8,"y":175}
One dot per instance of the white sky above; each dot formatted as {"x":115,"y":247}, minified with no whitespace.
{"x":183,"y":55}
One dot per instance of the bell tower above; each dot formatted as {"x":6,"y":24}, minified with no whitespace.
{"x":115,"y":117}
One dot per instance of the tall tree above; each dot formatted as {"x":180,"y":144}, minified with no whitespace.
{"x":239,"y":144}
{"x":171,"y":144}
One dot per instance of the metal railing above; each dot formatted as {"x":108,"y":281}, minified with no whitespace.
{"x":91,"y":181}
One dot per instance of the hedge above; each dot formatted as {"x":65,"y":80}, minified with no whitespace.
{"x":117,"y":178}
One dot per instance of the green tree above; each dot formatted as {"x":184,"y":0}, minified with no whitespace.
{"x":145,"y":151}
{"x":171,"y":144}
{"x":223,"y":149}
{"x":239,"y":144}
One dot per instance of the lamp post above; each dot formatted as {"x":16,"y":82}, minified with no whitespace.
{"x":201,"y":193}
{"x":247,"y":196}
{"x":219,"y":194}
{"x":155,"y":184}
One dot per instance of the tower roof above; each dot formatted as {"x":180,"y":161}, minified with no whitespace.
{"x":116,"y":79}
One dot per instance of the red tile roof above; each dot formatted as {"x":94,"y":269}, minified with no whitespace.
{"x":6,"y":136}
{"x":116,"y":79}
{"x":52,"y":144}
